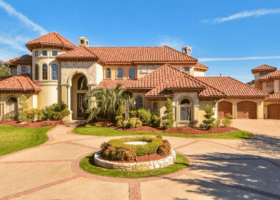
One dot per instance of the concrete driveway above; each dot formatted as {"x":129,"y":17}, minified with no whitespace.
{"x":220,"y":169}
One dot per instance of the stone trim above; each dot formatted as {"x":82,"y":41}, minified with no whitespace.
{"x":137,"y":166}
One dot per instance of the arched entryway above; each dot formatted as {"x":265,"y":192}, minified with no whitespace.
{"x":78,"y":91}
{"x":11,"y":108}
{"x":247,"y":110}
{"x":224,"y":108}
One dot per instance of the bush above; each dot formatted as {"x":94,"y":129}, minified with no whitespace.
{"x":159,"y":136}
{"x":209,"y":121}
{"x":56,"y":112}
{"x":144,"y":115}
{"x":227,"y":120}
{"x":133,"y":113}
{"x":132,"y":123}
{"x":169,"y":120}
{"x":22,"y":111}
{"x":120,"y":115}
{"x":218,"y":122}
{"x":155,"y":121}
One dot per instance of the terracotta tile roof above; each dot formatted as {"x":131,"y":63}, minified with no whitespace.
{"x":81,"y":52}
{"x":24,"y":59}
{"x":112,"y":83}
{"x":201,"y":66}
{"x":133,"y":54}
{"x":275,"y":96}
{"x":232,"y":87}
{"x":18,"y":83}
{"x":264,"y":68}
{"x":275,"y":74}
{"x":52,"y":38}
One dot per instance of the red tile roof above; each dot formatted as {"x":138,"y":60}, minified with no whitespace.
{"x":264,"y":68}
{"x":232,"y":87}
{"x":272,"y":75}
{"x":131,"y":54}
{"x":18,"y":83}
{"x":52,"y":38}
{"x":200,"y":66}
{"x":78,"y":53}
{"x":24,"y":59}
{"x":112,"y":83}
{"x":275,"y":96}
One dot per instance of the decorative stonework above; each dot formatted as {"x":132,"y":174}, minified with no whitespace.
{"x":137,"y":166}
{"x":77,"y":64}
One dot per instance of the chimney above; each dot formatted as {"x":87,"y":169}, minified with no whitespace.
{"x":187,"y":50}
{"x":83,"y":42}
{"x":220,"y":74}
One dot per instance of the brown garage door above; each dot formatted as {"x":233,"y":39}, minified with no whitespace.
{"x":274,"y":111}
{"x":224,"y":108}
{"x":247,"y":110}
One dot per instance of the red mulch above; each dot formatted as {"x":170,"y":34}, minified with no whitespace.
{"x":145,"y":158}
{"x":33,"y":124}
{"x":179,"y":130}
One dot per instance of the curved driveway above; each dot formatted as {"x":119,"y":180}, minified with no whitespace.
{"x":220,"y":169}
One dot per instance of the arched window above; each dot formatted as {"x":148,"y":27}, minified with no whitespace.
{"x":139,"y":102}
{"x":12,"y":100}
{"x":108,"y":73}
{"x":82,"y":83}
{"x":54,"y":72}
{"x":120,"y":72}
{"x":36,"y":75}
{"x":185,"y":110}
{"x":132,"y":73}
{"x":45,"y":72}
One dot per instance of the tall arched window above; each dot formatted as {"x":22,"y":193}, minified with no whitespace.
{"x":138,"y":102}
{"x":82,"y":83}
{"x":108,"y":73}
{"x":132,"y":73}
{"x":185,"y":110}
{"x":54,"y":72}
{"x":36,"y":75}
{"x":120,"y":72}
{"x":45,"y":72}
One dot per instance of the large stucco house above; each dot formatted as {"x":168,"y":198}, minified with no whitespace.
{"x":58,"y":70}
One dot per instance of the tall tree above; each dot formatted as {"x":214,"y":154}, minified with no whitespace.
{"x":4,"y":71}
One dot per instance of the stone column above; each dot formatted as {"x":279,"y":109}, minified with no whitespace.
{"x":69,"y":102}
{"x":234,"y":109}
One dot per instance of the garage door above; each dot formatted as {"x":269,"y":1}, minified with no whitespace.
{"x":224,"y":108}
{"x":247,"y":110}
{"x":274,"y":111}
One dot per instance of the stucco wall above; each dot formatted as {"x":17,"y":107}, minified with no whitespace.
{"x":276,"y":86}
{"x":266,"y":88}
{"x":143,"y":70}
{"x":114,"y":72}
{"x":49,"y":95}
{"x":199,"y":73}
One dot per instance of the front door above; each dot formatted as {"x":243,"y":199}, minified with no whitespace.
{"x":82,"y":105}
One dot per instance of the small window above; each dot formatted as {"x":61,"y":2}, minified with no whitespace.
{"x":268,"y":84}
{"x":36,"y":72}
{"x":45,"y":53}
{"x":23,"y":69}
{"x":45,"y":72}
{"x":54,"y":72}
{"x":187,"y":69}
{"x":12,"y":100}
{"x":82,"y":41}
{"x":36,"y":53}
{"x":132,"y":73}
{"x":155,"y":105}
{"x":54,"y":53}
{"x":108,"y":73}
{"x":263,"y":73}
{"x":120,"y":72}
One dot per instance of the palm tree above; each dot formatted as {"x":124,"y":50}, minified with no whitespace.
{"x":106,"y":101}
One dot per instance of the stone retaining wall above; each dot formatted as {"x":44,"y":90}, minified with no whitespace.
{"x":137,"y":166}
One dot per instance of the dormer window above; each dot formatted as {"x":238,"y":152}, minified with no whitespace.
{"x":45,"y":53}
{"x":187,"y":69}
{"x":263,"y":73}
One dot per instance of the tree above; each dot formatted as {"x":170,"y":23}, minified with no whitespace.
{"x":209,"y":121}
{"x":4,"y":71}
{"x":168,"y":117}
{"x":22,"y":111}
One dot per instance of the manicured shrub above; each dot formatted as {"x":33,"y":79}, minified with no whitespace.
{"x":169,"y":120}
{"x":120,"y":115}
{"x":133,"y":113}
{"x":22,"y":111}
{"x":56,"y":112}
{"x":155,"y":121}
{"x":138,"y":123}
{"x":132,"y":123}
{"x":218,"y":122}
{"x":165,"y":148}
{"x":209,"y":121}
{"x":227,"y":120}
{"x":144,"y":115}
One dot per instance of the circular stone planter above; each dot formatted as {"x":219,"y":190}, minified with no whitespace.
{"x":136,"y":166}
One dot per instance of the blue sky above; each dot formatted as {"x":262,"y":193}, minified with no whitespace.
{"x":231,"y":37}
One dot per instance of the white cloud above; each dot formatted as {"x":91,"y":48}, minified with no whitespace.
{"x":241,"y":15}
{"x":171,"y":42}
{"x":14,"y":43}
{"x":244,"y":58}
{"x":11,"y":11}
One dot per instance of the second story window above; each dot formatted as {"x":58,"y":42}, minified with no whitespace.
{"x":36,"y":75}
{"x":54,"y":53}
{"x":132,"y":73}
{"x":120,"y":73}
{"x":23,"y":69}
{"x":54,"y":72}
{"x":45,"y":72}
{"x":108,"y":73}
{"x":187,"y":69}
{"x":268,"y":84}
{"x":36,"y":53}
{"x":45,"y":53}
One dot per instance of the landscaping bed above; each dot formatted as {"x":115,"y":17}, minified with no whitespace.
{"x":49,"y":123}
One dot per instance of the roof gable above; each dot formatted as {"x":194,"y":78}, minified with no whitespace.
{"x":275,"y":74}
{"x":24,"y":59}
{"x":18,"y":83}
{"x":264,"y":68}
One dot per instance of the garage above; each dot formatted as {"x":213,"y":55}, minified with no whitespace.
{"x":274,"y":111}
{"x":224,"y":108}
{"x":247,"y":110}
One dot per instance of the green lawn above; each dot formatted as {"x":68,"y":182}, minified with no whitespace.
{"x":88,"y":165}
{"x":17,"y":138}
{"x":107,"y":131}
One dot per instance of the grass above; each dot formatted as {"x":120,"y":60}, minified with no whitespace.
{"x":13,"y":139}
{"x":88,"y":165}
{"x":107,"y":131}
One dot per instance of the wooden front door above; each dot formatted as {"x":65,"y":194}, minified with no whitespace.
{"x":274,"y":111}
{"x":82,"y":105}
{"x":247,"y":110}
{"x":224,"y":108}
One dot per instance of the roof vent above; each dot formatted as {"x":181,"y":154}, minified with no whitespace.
{"x":187,"y":50}
{"x":83,"y":42}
